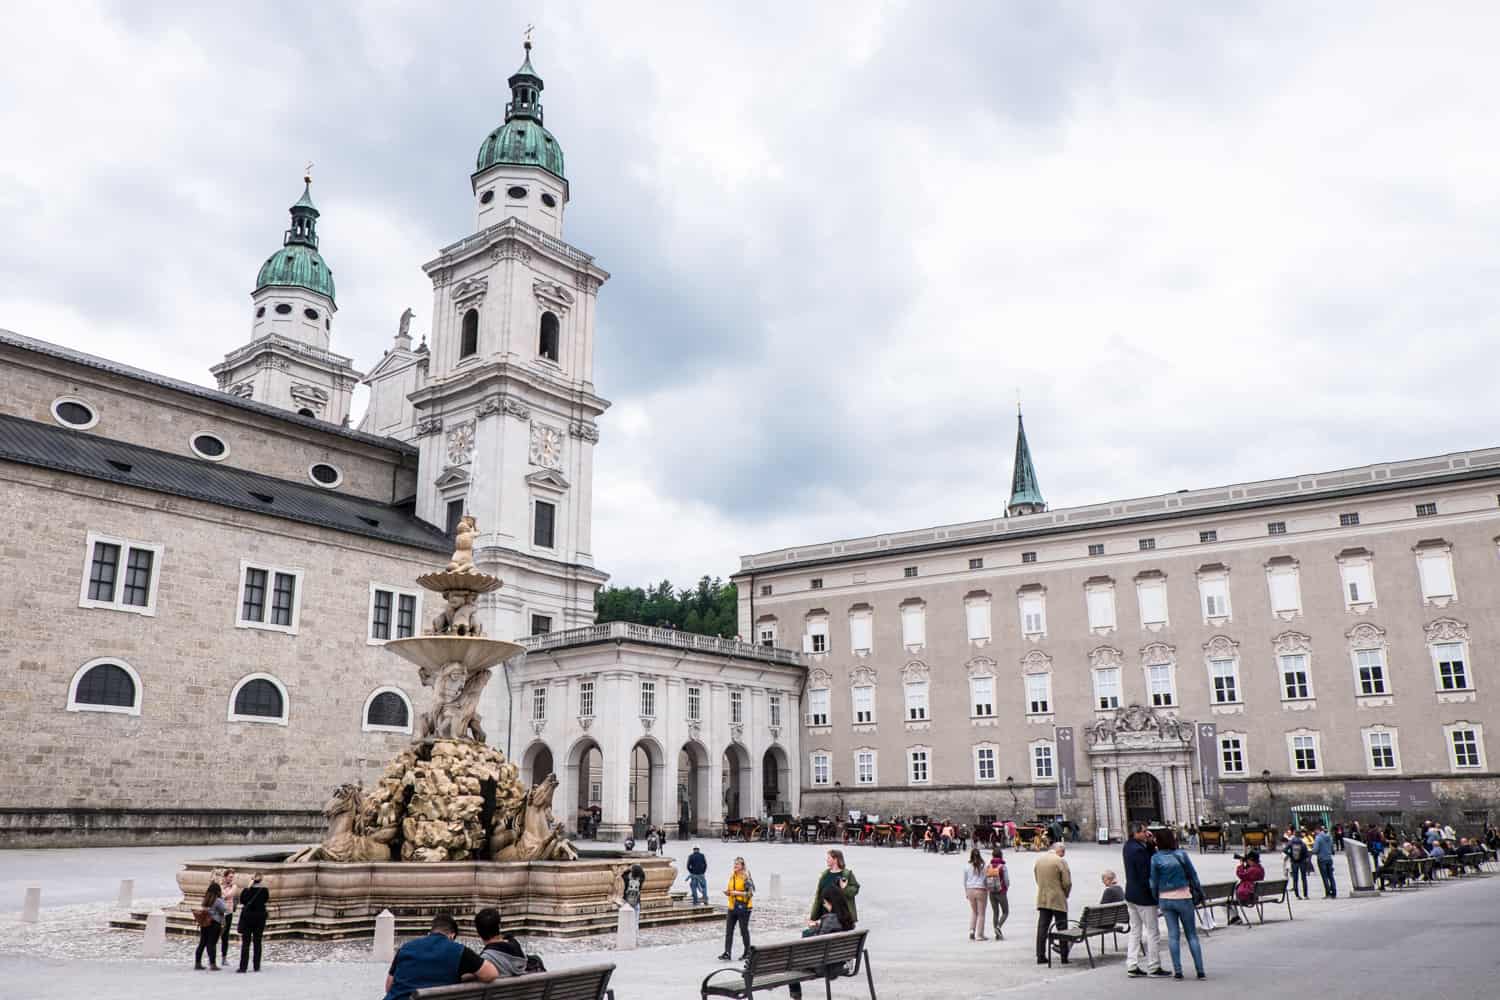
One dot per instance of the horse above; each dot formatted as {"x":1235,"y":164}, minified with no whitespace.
{"x":347,"y":839}
{"x":531,"y":833}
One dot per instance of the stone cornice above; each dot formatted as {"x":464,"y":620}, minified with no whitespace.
{"x":490,"y":376}
{"x":513,"y":230}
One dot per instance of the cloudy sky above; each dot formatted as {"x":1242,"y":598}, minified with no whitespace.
{"x":1204,"y":247}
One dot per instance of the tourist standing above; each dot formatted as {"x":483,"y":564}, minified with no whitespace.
{"x":231,"y":895}
{"x":1175,"y":882}
{"x":997,"y":882}
{"x":837,"y":873}
{"x":1299,"y":861}
{"x":252,"y":920}
{"x":975,"y":891}
{"x":633,"y":883}
{"x":1323,"y":848}
{"x":740,"y":894}
{"x":210,"y":919}
{"x":1140,"y":901}
{"x":437,"y":959}
{"x":651,"y":842}
{"x":1054,"y":882}
{"x":697,"y":866}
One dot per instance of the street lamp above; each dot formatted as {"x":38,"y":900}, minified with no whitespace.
{"x":1265,"y":777}
{"x":838,"y":790}
{"x":1010,"y":786}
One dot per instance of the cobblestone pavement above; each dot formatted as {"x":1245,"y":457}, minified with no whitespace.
{"x":912,"y":903}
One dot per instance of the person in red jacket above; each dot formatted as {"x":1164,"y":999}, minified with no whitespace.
{"x":1247,"y":873}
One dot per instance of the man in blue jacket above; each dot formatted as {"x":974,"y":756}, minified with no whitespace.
{"x":697,"y":866}
{"x":1141,"y":902}
{"x":1323,"y":848}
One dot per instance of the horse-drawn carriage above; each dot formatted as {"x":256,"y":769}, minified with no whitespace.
{"x":1032,"y":838}
{"x":1211,"y":837}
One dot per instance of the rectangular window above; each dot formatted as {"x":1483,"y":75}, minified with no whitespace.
{"x":916,"y":701}
{"x":918,"y":766}
{"x":1465,"y":748}
{"x":773,"y":706}
{"x":1153,"y":600}
{"x":1033,"y":615}
{"x":1107,"y":688}
{"x":1215,"y":593}
{"x":909,"y":572}
{"x":976,"y":564}
{"x":1348,"y":520}
{"x":1028,"y":557}
{"x":648,"y":699}
{"x":1436,"y":567}
{"x":541,"y":624}
{"x":1041,"y":762}
{"x":982,"y":694}
{"x":1452,"y":674}
{"x":694,"y":703}
{"x":1146,"y":544}
{"x":1371,"y":666}
{"x":1231,"y":755}
{"x":864,"y":704}
{"x":765,"y":590}
{"x":768,"y":635}
{"x":913,"y":625}
{"x":1294,"y":682}
{"x":1359,"y":583}
{"x":1226,"y":680}
{"x":253,"y":602}
{"x":283,"y":593}
{"x":821,"y":766}
{"x":1096,"y":548}
{"x":544,"y":527}
{"x":268,"y":598}
{"x":380,"y":614}
{"x":977,"y":618}
{"x":864,"y":767}
{"x":1159,"y":680}
{"x":1426,"y":510}
{"x":452,"y":514}
{"x":737,"y":708}
{"x":817,"y":707}
{"x":105,"y":585}
{"x":1382,"y":752}
{"x":137,"y":578}
{"x":817,"y":635}
{"x":984,"y":764}
{"x":1304,"y":754}
{"x":1204,"y":537}
{"x":860,"y":630}
{"x":816,"y":583}
{"x":1038,"y":694}
{"x":406,"y":616}
{"x":539,"y":703}
{"x":1101,"y":605}
{"x":1286,"y":595}
{"x":102,"y":572}
{"x":586,"y":699}
{"x":1276,"y":528}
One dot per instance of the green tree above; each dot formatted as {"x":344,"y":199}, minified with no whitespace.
{"x":709,"y":608}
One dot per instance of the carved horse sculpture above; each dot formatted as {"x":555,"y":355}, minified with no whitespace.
{"x":348,"y":838}
{"x":531,"y":832}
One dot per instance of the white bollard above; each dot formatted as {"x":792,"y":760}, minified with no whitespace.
{"x":625,"y":937}
{"x":155,"y":940}
{"x":775,"y":885}
{"x":385,"y":936}
{"x":31,"y":909}
{"x":127,"y":893}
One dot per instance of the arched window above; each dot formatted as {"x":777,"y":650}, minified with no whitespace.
{"x":387,"y":710}
{"x":258,"y":698}
{"x":105,"y":686}
{"x":547,"y":346}
{"x":470,"y":342}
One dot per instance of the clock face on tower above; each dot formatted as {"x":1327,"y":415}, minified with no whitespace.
{"x":546,"y":446}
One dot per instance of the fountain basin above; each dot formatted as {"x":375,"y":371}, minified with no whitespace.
{"x":431,"y":652}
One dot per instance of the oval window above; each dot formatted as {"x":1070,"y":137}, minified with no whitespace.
{"x":548,"y":200}
{"x":74,"y":413}
{"x":209,"y":446}
{"x":311,"y":314}
{"x":325,"y":475}
{"x":487,"y":197}
{"x":260,"y":312}
{"x":283,"y":309}
{"x":517,"y":192}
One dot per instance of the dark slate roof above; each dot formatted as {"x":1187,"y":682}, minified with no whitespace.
{"x":28,"y":442}
{"x":202,"y":392}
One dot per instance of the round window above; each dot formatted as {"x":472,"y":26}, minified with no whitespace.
{"x":517,"y":192}
{"x":325,"y":475}
{"x":209,"y":446}
{"x":260,"y":312}
{"x":74,"y":413}
{"x":548,"y":200}
{"x":487,"y":197}
{"x":283,"y":309}
{"x":311,"y":314}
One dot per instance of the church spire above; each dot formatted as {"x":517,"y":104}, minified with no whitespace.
{"x":304,"y":217}
{"x":525,"y":91}
{"x":1025,"y":494}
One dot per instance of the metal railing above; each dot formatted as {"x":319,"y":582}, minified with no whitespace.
{"x":631,"y":632}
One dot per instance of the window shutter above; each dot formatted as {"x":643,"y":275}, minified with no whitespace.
{"x":1437,"y":575}
{"x":978,"y":614}
{"x":1101,"y":603}
{"x":1284,"y":591}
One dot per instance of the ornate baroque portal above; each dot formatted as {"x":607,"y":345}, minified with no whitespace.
{"x":1141,"y":741}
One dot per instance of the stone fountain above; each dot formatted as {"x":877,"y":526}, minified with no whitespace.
{"x":449,"y":825}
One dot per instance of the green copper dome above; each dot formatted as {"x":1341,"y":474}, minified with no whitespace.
{"x":298,"y":264}
{"x":522,"y":140}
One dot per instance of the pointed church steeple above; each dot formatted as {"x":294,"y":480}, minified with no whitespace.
{"x":1025,"y":494}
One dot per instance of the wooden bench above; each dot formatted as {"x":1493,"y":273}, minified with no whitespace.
{"x":590,"y":982}
{"x":1093,"y":922}
{"x":773,"y":966}
{"x":1269,"y":891}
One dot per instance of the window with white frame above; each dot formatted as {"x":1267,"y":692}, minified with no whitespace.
{"x":982,"y":697}
{"x":1213,"y":594}
{"x":1096,"y":548}
{"x":1296,"y":681}
{"x":1357,"y":571}
{"x":1205,"y":537}
{"x":539,"y":703}
{"x":1275,"y":527}
{"x":773,"y":709}
{"x":864,"y":767}
{"x":1038,"y":694}
{"x":387,"y":710}
{"x":543,"y":524}
{"x":977,"y":616}
{"x":1231,"y":754}
{"x":984,"y":764}
{"x":816,"y":639}
{"x":861,"y":629}
{"x":1224,"y":674}
{"x":1151,"y":592}
{"x":976,"y":563}
{"x":1159,"y":685}
{"x":105,"y":685}
{"x":586,"y":699}
{"x":269,"y":597}
{"x":817,"y":706}
{"x":1283,"y":581}
{"x":864,"y":704}
{"x":1304,"y":752}
{"x":258,"y":698}
{"x":1099,"y":597}
{"x":694,"y":703}
{"x":1369,"y":670}
{"x":1349,"y":520}
{"x":737,"y":708}
{"x":1381,"y":751}
{"x":765,"y":632}
{"x":822,"y":768}
{"x":913,"y":624}
{"x":1042,"y":762}
{"x":120,"y":575}
{"x":916,"y":701}
{"x":1427,"y":510}
{"x":1033,"y":613}
{"x":1106,"y":688}
{"x":1449,"y":661}
{"x":393,"y":613}
{"x":1465,"y":746}
{"x":1435,"y":566}
{"x":917,"y":772}
{"x":648,"y":699}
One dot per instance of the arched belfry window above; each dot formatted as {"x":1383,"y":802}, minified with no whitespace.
{"x":470,"y":342}
{"x":547,"y":344}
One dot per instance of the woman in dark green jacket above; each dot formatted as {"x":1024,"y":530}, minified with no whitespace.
{"x":837,"y":874}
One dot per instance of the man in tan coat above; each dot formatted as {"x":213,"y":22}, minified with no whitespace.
{"x":1053,"y":884}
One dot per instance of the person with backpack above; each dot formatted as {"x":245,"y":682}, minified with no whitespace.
{"x":975,"y":891}
{"x":1299,"y":864}
{"x":504,"y":951}
{"x":837,"y":873}
{"x":837,"y":917}
{"x":1175,"y":883}
{"x":697,"y":867}
{"x":997,"y":884}
{"x":210,"y":919}
{"x":741,"y":898}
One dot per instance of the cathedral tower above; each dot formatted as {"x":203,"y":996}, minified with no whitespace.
{"x":1025,"y":494}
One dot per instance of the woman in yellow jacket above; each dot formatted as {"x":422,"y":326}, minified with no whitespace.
{"x":740,"y":894}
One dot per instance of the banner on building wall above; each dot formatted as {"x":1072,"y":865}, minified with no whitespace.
{"x":1067,"y":777}
{"x":1388,"y":796}
{"x":1046,"y":798}
{"x":1208,"y":760}
{"x":1235,"y":796}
